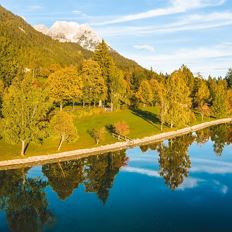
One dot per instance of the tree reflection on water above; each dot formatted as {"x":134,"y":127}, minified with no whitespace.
{"x":23,"y":197}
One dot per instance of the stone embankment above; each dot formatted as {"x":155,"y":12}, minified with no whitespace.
{"x":81,"y":153}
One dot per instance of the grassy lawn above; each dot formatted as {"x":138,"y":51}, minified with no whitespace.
{"x":142,"y":123}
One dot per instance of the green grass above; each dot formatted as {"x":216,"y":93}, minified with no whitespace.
{"x":142,"y":123}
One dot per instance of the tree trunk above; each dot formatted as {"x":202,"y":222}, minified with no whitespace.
{"x":161,"y":126}
{"x":202,"y":117}
{"x":61,"y":142}
{"x":111,"y":106}
{"x":100,"y":103}
{"x":23,"y":148}
{"x":61,"y":106}
{"x":83,"y":104}
{"x":73,"y":104}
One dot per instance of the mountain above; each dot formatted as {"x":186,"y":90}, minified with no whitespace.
{"x":23,"y":46}
{"x":73,"y":32}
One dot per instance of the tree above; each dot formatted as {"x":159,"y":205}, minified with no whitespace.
{"x":220,"y":106}
{"x":201,"y":98}
{"x":63,"y":126}
{"x":174,"y":160}
{"x":65,"y":177}
{"x":121,"y":128}
{"x":25,"y":111}
{"x":118,"y":88}
{"x":94,"y":88}
{"x":188,"y":76}
{"x":178,"y":100}
{"x":101,"y":171}
{"x":1,"y":95}
{"x":229,"y":78}
{"x":103,"y":58}
{"x":8,"y":61}
{"x":98,"y":134}
{"x":24,"y":201}
{"x":229,"y":100}
{"x":144,"y":93}
{"x":65,"y":85}
{"x":161,"y":97}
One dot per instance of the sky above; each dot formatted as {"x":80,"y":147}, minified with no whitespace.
{"x":162,"y":34}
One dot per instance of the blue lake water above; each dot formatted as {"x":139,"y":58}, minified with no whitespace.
{"x":184,"y":184}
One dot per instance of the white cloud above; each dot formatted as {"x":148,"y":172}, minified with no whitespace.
{"x":141,"y":171}
{"x":175,"y":7}
{"x":206,"y":60}
{"x":188,"y":23}
{"x":190,"y":183}
{"x":144,"y":47}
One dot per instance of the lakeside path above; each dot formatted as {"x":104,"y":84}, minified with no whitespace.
{"x":81,"y":153}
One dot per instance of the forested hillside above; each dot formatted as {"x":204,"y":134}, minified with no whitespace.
{"x":21,"y":46}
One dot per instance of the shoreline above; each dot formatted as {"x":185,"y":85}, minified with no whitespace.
{"x":82,"y":153}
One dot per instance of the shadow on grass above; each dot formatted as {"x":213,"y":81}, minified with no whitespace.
{"x":147,"y":116}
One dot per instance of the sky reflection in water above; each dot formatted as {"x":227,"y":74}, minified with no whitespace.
{"x":183,"y":184}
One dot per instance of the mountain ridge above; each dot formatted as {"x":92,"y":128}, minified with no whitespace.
{"x":21,"y":44}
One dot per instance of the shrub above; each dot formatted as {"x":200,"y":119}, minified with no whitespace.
{"x":121,"y":128}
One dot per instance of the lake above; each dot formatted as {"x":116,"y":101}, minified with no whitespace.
{"x":183,"y":184}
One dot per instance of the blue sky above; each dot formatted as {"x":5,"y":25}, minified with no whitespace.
{"x":163,"y":34}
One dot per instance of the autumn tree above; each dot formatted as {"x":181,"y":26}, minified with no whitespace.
{"x":229,"y":100}
{"x":25,"y":111}
{"x":94,"y":86}
{"x":178,"y":100}
{"x":98,"y":134}
{"x":63,"y":126}
{"x":1,"y":95}
{"x":64,"y":177}
{"x":201,"y":98}
{"x":144,"y":93}
{"x":121,"y":128}
{"x":118,"y":88}
{"x":65,"y":85}
{"x":220,"y":106}
{"x":188,"y":77}
{"x":161,"y":98}
{"x":174,"y":160}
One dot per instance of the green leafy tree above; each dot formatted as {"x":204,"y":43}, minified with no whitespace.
{"x":25,"y":111}
{"x":65,"y":85}
{"x":9,"y":65}
{"x":229,"y":77}
{"x":63,"y":126}
{"x":94,"y":89}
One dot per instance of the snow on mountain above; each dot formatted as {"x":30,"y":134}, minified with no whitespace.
{"x":41,"y":28}
{"x":64,"y":31}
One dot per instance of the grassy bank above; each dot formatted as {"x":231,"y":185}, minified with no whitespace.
{"x":143,"y":122}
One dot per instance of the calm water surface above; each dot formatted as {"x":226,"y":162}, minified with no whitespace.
{"x":184,"y":184}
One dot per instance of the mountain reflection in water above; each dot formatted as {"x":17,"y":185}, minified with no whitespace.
{"x":25,"y":194}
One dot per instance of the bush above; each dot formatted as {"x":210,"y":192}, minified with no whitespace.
{"x":121,"y":128}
